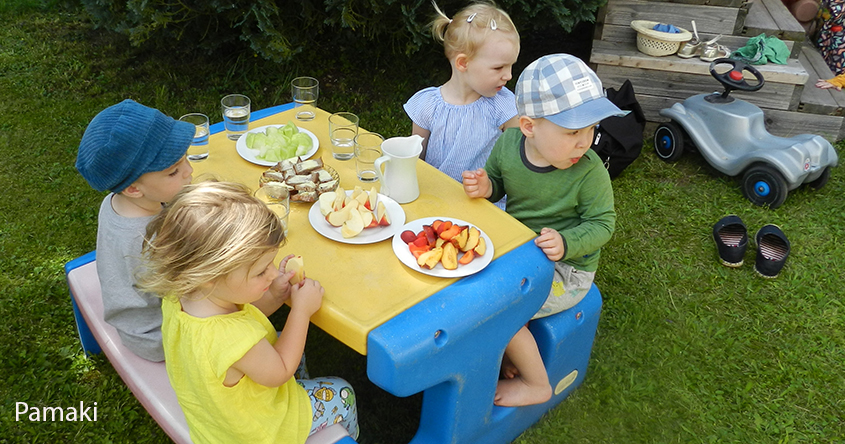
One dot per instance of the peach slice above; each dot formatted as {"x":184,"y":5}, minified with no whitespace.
{"x":430,"y":235}
{"x":450,"y":232}
{"x":445,"y":225}
{"x":431,"y":258}
{"x":472,"y":239}
{"x":481,"y":248}
{"x":467,"y":257}
{"x":461,"y":239}
{"x":450,"y":256}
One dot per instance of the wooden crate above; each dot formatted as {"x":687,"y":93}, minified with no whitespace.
{"x":613,"y":22}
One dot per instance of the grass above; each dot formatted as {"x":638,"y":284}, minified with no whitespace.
{"x":687,"y":350}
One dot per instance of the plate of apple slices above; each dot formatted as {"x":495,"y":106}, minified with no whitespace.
{"x":356,"y":216}
{"x":443,"y":247}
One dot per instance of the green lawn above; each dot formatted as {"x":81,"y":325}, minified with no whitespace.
{"x":687,"y":350}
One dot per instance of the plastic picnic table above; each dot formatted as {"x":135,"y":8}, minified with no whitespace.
{"x":441,"y":336}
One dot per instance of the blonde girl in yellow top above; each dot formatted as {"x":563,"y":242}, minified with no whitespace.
{"x":209,"y":254}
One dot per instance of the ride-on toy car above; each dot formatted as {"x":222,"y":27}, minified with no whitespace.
{"x":731,"y":135}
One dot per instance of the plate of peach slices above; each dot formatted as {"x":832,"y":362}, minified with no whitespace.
{"x":443,"y":247}
{"x":356,"y":216}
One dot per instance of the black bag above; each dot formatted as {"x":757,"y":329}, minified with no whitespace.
{"x":619,"y":140}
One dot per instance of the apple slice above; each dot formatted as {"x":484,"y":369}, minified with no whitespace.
{"x":481,"y":248}
{"x":364,"y":199}
{"x":354,"y":194}
{"x":352,"y":227}
{"x":298,"y":265}
{"x":472,"y":239}
{"x":337,"y":218}
{"x":340,"y":198}
{"x":367,"y":217}
{"x":373,"y":199}
{"x":327,"y":202}
{"x":381,"y":215}
{"x":450,"y":256}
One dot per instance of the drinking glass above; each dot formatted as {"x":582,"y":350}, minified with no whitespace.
{"x":305,"y":91}
{"x":277,"y":198}
{"x":199,"y":146}
{"x":367,"y":150}
{"x":343,"y":127}
{"x":236,"y":109}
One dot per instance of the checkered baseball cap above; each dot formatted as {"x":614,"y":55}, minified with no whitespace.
{"x":563,"y":89}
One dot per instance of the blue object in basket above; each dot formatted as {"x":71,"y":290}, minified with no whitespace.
{"x":663,"y":27}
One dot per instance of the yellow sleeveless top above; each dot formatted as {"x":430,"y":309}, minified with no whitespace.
{"x":199,"y":351}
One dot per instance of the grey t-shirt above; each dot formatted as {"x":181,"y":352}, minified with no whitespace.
{"x":136,"y":315}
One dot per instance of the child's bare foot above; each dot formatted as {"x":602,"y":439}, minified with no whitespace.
{"x":515,"y":393}
{"x":509,"y":370}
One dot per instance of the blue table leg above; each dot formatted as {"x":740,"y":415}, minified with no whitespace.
{"x":450,"y":346}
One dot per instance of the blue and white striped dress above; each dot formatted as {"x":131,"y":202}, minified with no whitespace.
{"x":462,"y":136}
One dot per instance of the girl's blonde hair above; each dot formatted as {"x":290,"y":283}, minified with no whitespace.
{"x":466,"y":31}
{"x":207,"y":231}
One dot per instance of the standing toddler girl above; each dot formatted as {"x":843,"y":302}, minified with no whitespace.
{"x":209,"y":254}
{"x":461,"y":119}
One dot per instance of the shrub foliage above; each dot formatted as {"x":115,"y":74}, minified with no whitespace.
{"x":277,"y":30}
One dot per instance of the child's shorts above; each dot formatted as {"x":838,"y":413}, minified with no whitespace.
{"x":569,"y":286}
{"x":332,"y":402}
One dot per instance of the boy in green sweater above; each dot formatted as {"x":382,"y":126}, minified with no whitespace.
{"x":559,"y":188}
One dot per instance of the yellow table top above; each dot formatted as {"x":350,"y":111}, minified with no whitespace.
{"x":366,"y":285}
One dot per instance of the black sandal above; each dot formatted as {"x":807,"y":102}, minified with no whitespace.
{"x":772,"y":250}
{"x":731,"y":238}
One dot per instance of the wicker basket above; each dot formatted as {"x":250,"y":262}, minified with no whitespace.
{"x":657,"y":43}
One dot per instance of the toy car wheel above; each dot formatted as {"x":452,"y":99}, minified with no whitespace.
{"x":822,"y":180}
{"x":764,"y":185}
{"x":669,"y":141}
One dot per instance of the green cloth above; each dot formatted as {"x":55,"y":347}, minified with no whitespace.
{"x":761,"y":50}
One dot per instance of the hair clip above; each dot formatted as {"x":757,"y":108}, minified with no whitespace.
{"x":493,"y":25}
{"x":471,"y":17}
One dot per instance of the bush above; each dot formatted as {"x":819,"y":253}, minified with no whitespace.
{"x":277,"y":31}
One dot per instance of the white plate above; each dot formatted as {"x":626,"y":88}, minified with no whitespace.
{"x":400,"y":248}
{"x":249,"y":154}
{"x":369,"y":235}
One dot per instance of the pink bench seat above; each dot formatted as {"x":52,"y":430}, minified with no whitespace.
{"x":147,"y":380}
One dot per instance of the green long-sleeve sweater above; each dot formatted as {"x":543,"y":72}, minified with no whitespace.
{"x":577,"y":201}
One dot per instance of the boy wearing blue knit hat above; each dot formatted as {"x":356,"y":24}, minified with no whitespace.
{"x":559,"y":188}
{"x":138,"y":154}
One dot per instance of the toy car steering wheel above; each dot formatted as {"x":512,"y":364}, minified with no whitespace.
{"x":734,"y":79}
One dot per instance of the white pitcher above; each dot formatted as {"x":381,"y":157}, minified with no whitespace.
{"x":399,"y":179}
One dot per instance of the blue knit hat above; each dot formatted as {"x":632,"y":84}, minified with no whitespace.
{"x":127,"y":140}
